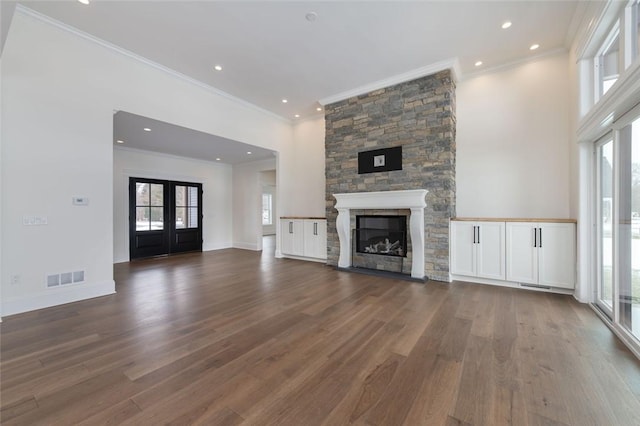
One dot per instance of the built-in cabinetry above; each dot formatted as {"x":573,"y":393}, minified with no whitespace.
{"x":514,"y":252}
{"x":304,"y":238}
{"x":541,"y":253}
{"x":477,"y":249}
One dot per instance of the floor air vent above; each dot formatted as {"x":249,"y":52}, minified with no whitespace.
{"x":542,"y":287}
{"x":64,"y":278}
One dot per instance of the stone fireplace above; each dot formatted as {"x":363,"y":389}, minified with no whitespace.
{"x":419,"y":116}
{"x":412,"y":199}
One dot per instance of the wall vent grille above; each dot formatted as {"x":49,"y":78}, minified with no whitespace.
{"x":64,"y":278}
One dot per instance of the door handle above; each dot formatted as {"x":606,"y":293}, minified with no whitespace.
{"x":540,"y":242}
{"x":535,"y":237}
{"x":291,"y":227}
{"x":315,"y":228}
{"x":478,"y":234}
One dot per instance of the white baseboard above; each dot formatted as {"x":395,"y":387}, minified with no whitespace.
{"x":212,"y":247}
{"x":246,"y":246}
{"x":57,"y":296}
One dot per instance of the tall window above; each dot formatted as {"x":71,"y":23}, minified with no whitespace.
{"x":267,"y":209}
{"x":629,"y":228}
{"x":634,"y":12}
{"x":604,"y":211}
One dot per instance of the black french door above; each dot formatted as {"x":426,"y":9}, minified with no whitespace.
{"x":164,"y":217}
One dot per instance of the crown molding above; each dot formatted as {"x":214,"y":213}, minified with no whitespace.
{"x":452,"y":64}
{"x":176,"y":74}
{"x":513,"y":64}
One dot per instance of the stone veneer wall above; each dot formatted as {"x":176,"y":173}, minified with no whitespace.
{"x":420,"y":116}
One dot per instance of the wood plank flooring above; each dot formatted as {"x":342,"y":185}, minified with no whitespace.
{"x":238,"y":337}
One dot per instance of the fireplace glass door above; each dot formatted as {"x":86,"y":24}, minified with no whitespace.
{"x":382,"y":235}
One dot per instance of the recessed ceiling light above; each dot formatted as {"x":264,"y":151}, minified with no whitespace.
{"x":249,"y":152}
{"x":284,"y":101}
{"x":506,"y":25}
{"x":146,"y":129}
{"x":318,"y":109}
{"x":119,"y":141}
{"x":478,"y":63}
{"x":217,"y":159}
{"x":311,"y":16}
{"x":83,"y":1}
{"x":297,"y":116}
{"x":534,"y":46}
{"x":218,"y":68}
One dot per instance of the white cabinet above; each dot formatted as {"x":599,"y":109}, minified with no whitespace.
{"x":477,"y":249}
{"x":541,"y":253}
{"x":304,"y":238}
{"x":292,"y":240}
{"x":315,"y":238}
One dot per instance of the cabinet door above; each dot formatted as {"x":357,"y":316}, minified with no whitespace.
{"x":522,"y":255}
{"x":292,"y":238}
{"x":321,"y":239}
{"x":557,"y":254}
{"x":463,"y":248}
{"x":315,"y":238}
{"x":490,"y":256}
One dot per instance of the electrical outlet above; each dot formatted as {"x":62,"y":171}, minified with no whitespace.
{"x":15,"y":279}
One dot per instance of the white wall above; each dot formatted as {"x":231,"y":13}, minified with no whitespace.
{"x":247,"y":203}
{"x":513,"y":142}
{"x":59,"y":93}
{"x":216,"y":186}
{"x":307,"y":165}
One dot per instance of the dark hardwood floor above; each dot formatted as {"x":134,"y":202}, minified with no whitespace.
{"x":236,"y":337}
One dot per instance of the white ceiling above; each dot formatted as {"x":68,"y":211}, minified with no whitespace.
{"x":270,"y":52}
{"x":176,"y":140}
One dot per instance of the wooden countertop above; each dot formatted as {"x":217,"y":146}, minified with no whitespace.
{"x":303,"y":217}
{"x":511,"y":219}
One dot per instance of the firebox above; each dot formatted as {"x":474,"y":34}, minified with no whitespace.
{"x":383,"y":235}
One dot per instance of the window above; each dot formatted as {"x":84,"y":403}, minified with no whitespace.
{"x":629,"y":228}
{"x":607,"y":62}
{"x":267,"y":209}
{"x":634,"y":11}
{"x":604,"y":229}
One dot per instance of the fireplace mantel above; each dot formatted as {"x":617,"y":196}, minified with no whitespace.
{"x":413,"y":199}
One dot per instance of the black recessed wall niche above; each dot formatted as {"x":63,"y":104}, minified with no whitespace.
{"x":380,"y":160}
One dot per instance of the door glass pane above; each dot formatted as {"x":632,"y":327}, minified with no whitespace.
{"x":193,"y":197}
{"x":605,"y":225}
{"x":157,"y":218}
{"x":181,"y":217}
{"x":192,"y":219}
{"x":181,"y":196}
{"x":142,"y":194}
{"x":157,"y":194}
{"x":143,"y":222}
{"x":629,"y":248}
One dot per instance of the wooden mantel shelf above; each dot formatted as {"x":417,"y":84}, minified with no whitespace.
{"x":511,"y":219}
